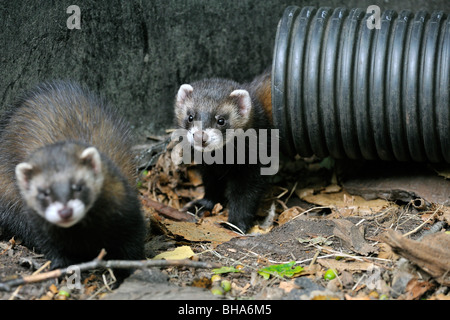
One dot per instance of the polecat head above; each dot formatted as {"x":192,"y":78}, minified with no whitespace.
{"x":61,"y":182}
{"x":207,"y":108}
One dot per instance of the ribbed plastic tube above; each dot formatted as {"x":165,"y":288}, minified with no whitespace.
{"x":343,"y":89}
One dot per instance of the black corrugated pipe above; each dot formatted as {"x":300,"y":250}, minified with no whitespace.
{"x":345,"y":89}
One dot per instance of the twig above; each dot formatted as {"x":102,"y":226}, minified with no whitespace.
{"x":359,"y":281}
{"x":292,"y":191}
{"x":424,"y":223}
{"x":16,"y":292}
{"x":12,"y":243}
{"x":236,"y":229}
{"x":311,"y":209}
{"x":314,"y":258}
{"x":372,"y":260}
{"x":98,"y":263}
{"x":155,"y":150}
{"x":106,"y":284}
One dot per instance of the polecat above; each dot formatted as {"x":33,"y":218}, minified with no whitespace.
{"x":215,"y":114}
{"x":67,"y":177}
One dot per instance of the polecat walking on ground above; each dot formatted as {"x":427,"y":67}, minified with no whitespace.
{"x":211,"y":112}
{"x":67,"y":177}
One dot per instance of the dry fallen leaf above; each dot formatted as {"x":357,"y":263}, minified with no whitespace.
{"x":304,"y":192}
{"x":432,"y":254}
{"x":445,"y":214}
{"x":206,"y":231}
{"x":194,"y":177}
{"x":442,"y":170}
{"x":346,"y":204}
{"x":332,"y":188}
{"x":353,"y":266}
{"x":240,"y":290}
{"x":53,"y":289}
{"x":288,"y":286}
{"x":360,"y":296}
{"x":217,"y":209}
{"x":324,"y":297}
{"x":416,"y":288}
{"x":256,"y":229}
{"x":203,"y":282}
{"x":180,"y":253}
{"x":352,"y":236}
{"x":289,"y":214}
{"x":385,"y":252}
{"x":440,"y":296}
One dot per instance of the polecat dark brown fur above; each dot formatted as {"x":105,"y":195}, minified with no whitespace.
{"x":67,"y":177}
{"x":214,"y":113}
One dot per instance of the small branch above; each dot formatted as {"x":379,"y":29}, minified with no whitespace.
{"x":12,"y":243}
{"x":432,"y":216}
{"x":99,"y":263}
{"x":153,"y":150}
{"x":16,"y":292}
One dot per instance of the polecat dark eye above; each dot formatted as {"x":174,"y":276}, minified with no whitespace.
{"x":191,"y":118}
{"x":77,"y":187}
{"x":221,"y":121}
{"x":43,"y":193}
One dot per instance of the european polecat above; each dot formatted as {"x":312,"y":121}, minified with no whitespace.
{"x":219,"y":115}
{"x":67,"y":177}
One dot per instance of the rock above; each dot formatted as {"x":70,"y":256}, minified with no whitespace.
{"x":152,"y":284}
{"x":399,"y":283}
{"x":310,"y":290}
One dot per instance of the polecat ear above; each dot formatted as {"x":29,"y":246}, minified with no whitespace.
{"x":184,"y":92}
{"x":244,"y":102}
{"x":91,"y":157}
{"x":24,"y":172}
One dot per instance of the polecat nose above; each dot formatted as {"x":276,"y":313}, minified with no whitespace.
{"x":65,"y":213}
{"x":200,"y":137}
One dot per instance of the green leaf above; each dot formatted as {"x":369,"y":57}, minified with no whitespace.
{"x":330,"y":274}
{"x":281,"y":270}
{"x":327,"y":163}
{"x":225,"y":270}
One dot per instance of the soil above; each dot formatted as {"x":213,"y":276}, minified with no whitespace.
{"x":345,"y":238}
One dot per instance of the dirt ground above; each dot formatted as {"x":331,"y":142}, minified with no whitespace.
{"x":309,"y":220}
